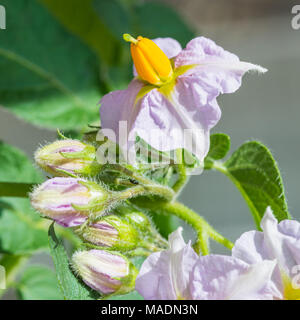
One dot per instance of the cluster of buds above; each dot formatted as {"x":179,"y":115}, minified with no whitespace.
{"x":111,"y":230}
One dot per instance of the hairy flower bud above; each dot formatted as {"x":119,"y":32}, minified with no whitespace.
{"x":136,"y":218}
{"x":151,"y":63}
{"x":67,"y":156}
{"x":112,"y":231}
{"x":57,"y":197}
{"x":104,"y":271}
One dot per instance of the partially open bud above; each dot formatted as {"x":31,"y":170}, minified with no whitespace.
{"x":112,"y":231}
{"x":151,"y":63}
{"x":67,"y":156}
{"x":104,"y":271}
{"x":56,"y":198}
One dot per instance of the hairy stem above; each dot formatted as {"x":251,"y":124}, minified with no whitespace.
{"x":200,"y":225}
{"x":203,"y":228}
{"x":143,"y":190}
{"x":182,"y":177}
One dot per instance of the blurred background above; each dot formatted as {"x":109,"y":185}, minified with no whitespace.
{"x":59,"y":57}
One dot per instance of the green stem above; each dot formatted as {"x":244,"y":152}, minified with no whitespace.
{"x":197,"y":222}
{"x":181,"y":170}
{"x":202,"y":227}
{"x":142,"y":190}
{"x":193,"y":219}
{"x":12,"y":265}
{"x":140,"y":178}
{"x":13,"y":189}
{"x":163,"y":192}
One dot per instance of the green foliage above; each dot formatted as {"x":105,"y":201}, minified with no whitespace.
{"x":50,"y":76}
{"x":219,"y":147}
{"x":115,"y":15}
{"x":154,"y":19}
{"x":15,"y":166}
{"x":254,"y":171}
{"x":21,"y":229}
{"x":71,"y":287}
{"x":257,"y":176}
{"x":79,"y":17}
{"x":38,"y":283}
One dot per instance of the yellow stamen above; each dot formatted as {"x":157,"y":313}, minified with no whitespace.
{"x":151,"y":63}
{"x":290,"y":292}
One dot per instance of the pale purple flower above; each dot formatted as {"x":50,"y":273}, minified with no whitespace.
{"x":180,"y":274}
{"x":280,"y":241}
{"x":166,"y":275}
{"x":161,"y":114}
{"x":217,"y":277}
{"x":55,"y":198}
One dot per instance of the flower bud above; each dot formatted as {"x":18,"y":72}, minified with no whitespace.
{"x":136,"y":218}
{"x":151,"y":63}
{"x":67,"y":156}
{"x":112,"y":231}
{"x":104,"y":271}
{"x":57,"y":197}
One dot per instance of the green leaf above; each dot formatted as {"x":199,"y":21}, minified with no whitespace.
{"x":254,"y":171}
{"x":16,"y":167}
{"x":115,"y":16}
{"x":71,"y":287}
{"x":81,"y":19}
{"x":38,"y":283}
{"x":219,"y":147}
{"x":154,"y":19}
{"x":22,"y":231}
{"x":51,"y":78}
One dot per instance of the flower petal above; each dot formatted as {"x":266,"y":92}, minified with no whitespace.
{"x":169,"y":46}
{"x":219,"y":277}
{"x":199,"y":99}
{"x":277,"y":241}
{"x":250,"y":247}
{"x":166,"y":275}
{"x":118,"y":106}
{"x":216,"y":66}
{"x":167,"y":124}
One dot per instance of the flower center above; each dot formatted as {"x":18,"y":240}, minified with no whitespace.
{"x":151,"y":63}
{"x":290,"y":291}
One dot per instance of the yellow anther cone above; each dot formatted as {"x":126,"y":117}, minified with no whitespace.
{"x":151,"y":63}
